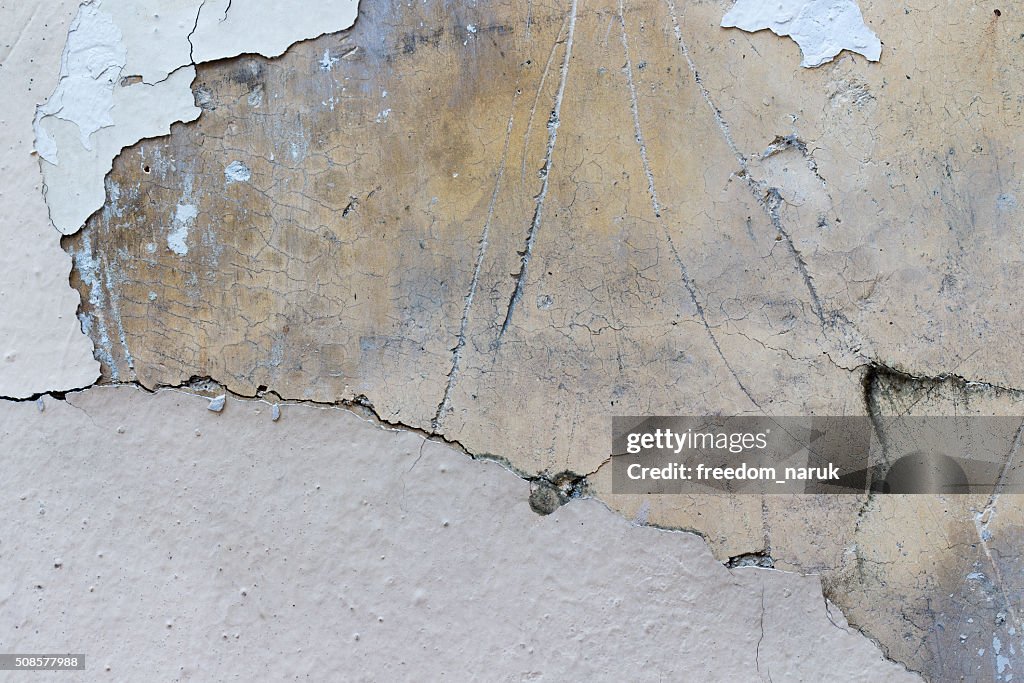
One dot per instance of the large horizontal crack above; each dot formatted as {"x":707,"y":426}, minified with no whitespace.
{"x":550,"y":490}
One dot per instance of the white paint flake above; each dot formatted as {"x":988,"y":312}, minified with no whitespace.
{"x":237,"y":172}
{"x":93,"y":59}
{"x":327,"y":62}
{"x":822,"y":28}
{"x":177,"y":239}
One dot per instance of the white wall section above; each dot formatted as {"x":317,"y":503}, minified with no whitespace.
{"x":42,"y":347}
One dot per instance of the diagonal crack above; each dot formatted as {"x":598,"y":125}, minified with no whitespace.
{"x":768,"y":198}
{"x":553,"y":123}
{"x":771,"y":200}
{"x":453,"y":374}
{"x":688,"y":282}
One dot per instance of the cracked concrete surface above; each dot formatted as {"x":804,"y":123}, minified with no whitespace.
{"x":500,"y":225}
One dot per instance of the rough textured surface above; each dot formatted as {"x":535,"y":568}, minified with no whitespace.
{"x":125,"y":76}
{"x":505,"y":259}
{"x":505,"y":224}
{"x":42,"y":347}
{"x":230,"y":546}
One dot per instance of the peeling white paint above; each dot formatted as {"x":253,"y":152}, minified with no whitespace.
{"x":75,"y":185}
{"x":822,"y":28}
{"x":227,"y":28}
{"x":94,"y":57}
{"x":327,"y":62}
{"x":46,"y":146}
{"x":94,"y":113}
{"x":155,"y":34}
{"x":177,"y":239}
{"x":43,"y":347}
{"x":237,"y":172}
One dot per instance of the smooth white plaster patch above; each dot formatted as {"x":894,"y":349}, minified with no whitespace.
{"x":428,"y":557}
{"x":822,"y":28}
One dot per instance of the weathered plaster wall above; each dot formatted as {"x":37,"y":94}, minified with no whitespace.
{"x":822,"y":28}
{"x":103,"y":75}
{"x":505,"y":224}
{"x":499,"y":225}
{"x":126,"y":72}
{"x":172,"y":543}
{"x":42,"y":347}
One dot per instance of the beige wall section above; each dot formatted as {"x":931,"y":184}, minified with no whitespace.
{"x":167,"y":542}
{"x":42,"y":347}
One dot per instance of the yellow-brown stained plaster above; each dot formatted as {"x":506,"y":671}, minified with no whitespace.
{"x":488,"y":235}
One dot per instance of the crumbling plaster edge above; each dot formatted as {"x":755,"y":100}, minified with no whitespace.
{"x":364,"y":411}
{"x":48,"y":153}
